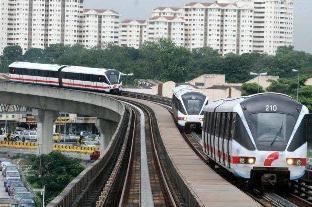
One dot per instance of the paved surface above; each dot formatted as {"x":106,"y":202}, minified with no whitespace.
{"x":210,"y":188}
{"x":3,"y":194}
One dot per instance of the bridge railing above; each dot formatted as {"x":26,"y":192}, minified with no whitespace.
{"x":80,"y":189}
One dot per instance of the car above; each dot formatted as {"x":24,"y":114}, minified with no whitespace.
{"x":24,"y":199}
{"x":3,"y":164}
{"x":10,"y":177}
{"x":57,"y":137}
{"x":17,"y":135}
{"x":28,"y":136}
{"x":26,"y":203}
{"x":16,"y":190}
{"x":14,"y":184}
{"x":9,"y":168}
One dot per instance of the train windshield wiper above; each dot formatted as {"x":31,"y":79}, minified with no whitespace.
{"x":279,"y":132}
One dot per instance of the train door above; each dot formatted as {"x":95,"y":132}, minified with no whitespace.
{"x":211,"y":129}
{"x":215,"y":134}
{"x":223,"y":130}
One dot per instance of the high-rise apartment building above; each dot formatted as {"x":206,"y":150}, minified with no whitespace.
{"x":38,"y":23}
{"x":224,"y":26}
{"x":133,"y":33}
{"x":163,"y":27}
{"x":3,"y":24}
{"x":273,"y":25}
{"x":229,"y":26}
{"x":99,"y":27}
{"x":168,"y":12}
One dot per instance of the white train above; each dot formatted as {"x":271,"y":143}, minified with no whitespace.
{"x":259,"y":137}
{"x":187,"y":106}
{"x":98,"y":79}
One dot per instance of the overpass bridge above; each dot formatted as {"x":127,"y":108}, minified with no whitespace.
{"x":146,"y":161}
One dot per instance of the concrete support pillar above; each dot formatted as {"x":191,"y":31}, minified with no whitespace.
{"x":106,"y":130}
{"x":45,"y":121}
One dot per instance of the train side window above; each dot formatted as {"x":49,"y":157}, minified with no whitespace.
{"x":299,"y":138}
{"x":233,"y":121}
{"x":217,"y":124}
{"x":222,"y":125}
{"x":241,"y":135}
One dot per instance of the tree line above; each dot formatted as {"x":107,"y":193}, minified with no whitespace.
{"x":165,"y":61}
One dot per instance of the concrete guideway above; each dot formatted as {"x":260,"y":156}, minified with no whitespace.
{"x":145,"y":189}
{"x":50,"y":100}
{"x":207,"y":187}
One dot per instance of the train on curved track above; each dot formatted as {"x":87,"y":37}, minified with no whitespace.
{"x":187,"y":107}
{"x":258,"y":138}
{"x":77,"y":77}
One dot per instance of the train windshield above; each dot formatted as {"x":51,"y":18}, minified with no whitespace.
{"x":193,"y":103}
{"x":113,"y":76}
{"x":272,"y":131}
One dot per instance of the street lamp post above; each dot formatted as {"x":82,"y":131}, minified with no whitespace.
{"x":258,"y":75}
{"x":298,"y":82}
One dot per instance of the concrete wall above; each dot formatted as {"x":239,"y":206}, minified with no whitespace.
{"x":264,"y":81}
{"x":308,"y":82}
{"x":221,"y":93}
{"x":167,"y":88}
{"x":208,"y":80}
{"x":58,"y":99}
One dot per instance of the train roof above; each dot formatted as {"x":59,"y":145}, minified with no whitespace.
{"x":35,"y":66}
{"x":85,"y":70}
{"x":183,"y":89}
{"x":227,"y":105}
{"x":56,"y":67}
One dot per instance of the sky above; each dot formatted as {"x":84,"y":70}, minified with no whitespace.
{"x":141,"y":9}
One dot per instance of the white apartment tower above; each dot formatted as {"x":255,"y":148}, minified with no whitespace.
{"x":3,"y":24}
{"x":39,"y":23}
{"x":100,"y":27}
{"x":224,"y":26}
{"x":133,"y":33}
{"x":163,"y":27}
{"x":168,"y":12}
{"x":273,"y":25}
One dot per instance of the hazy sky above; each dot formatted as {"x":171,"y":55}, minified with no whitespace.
{"x":141,"y":9}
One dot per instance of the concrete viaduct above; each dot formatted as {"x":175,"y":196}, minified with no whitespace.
{"x":51,"y":100}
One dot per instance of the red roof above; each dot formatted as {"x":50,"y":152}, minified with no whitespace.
{"x":131,"y":20}
{"x":101,"y":10}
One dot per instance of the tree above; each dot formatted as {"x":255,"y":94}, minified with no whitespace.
{"x":34,"y":55}
{"x":54,"y":171}
{"x":12,"y":53}
{"x":251,"y":88}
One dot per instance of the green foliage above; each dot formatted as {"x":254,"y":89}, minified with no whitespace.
{"x":165,"y":61}
{"x":54,"y":171}
{"x":251,"y":88}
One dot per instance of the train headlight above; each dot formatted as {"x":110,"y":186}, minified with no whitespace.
{"x":297,"y":161}
{"x":290,"y":161}
{"x":243,"y":160}
{"x":251,"y":160}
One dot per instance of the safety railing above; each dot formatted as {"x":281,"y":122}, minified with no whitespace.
{"x":56,"y":147}
{"x":84,"y":188}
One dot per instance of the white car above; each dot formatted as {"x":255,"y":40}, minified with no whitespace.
{"x":4,"y":164}
{"x":28,"y":136}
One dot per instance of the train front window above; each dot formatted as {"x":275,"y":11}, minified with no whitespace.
{"x":272,"y":131}
{"x":193,"y":103}
{"x":113,"y":77}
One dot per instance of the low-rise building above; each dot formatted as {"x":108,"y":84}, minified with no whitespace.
{"x":308,"y":82}
{"x":208,"y":80}
{"x":264,"y":81}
